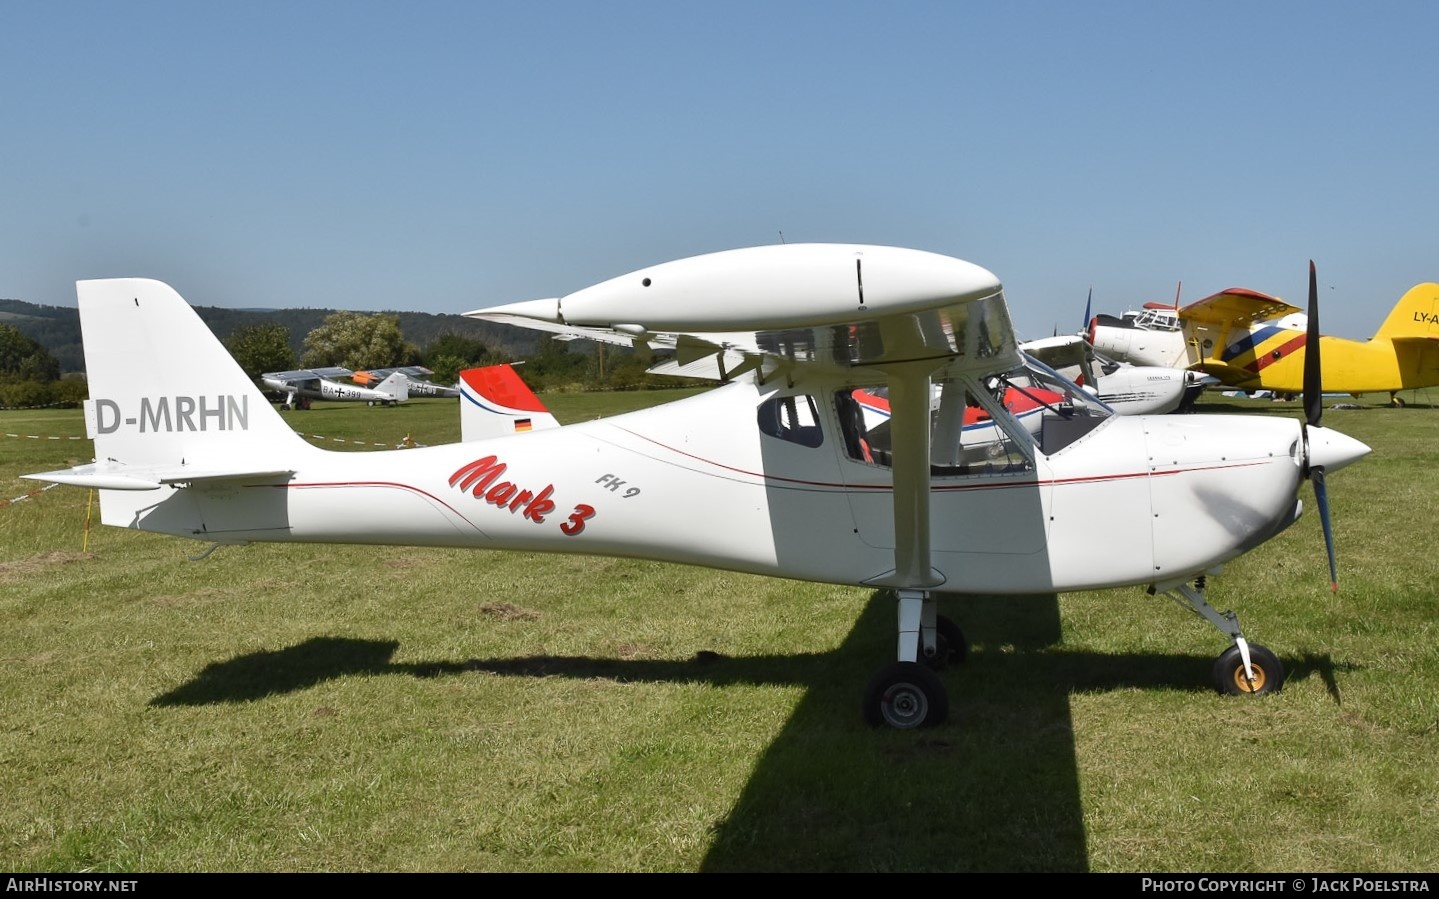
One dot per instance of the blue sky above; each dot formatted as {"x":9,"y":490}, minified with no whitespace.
{"x":445,"y":156}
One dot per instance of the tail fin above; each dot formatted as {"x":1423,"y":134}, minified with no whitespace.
{"x":396,"y":386}
{"x":168,"y":404}
{"x":1415,"y":315}
{"x":494,"y":401}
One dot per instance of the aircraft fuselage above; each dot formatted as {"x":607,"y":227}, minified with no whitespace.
{"x":697,"y":482}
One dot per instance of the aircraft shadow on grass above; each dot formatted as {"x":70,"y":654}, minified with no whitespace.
{"x":809,"y":805}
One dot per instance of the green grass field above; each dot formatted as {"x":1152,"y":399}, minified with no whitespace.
{"x":335,"y":708}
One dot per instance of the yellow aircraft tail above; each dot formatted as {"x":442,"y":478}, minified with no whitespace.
{"x":1415,"y":315}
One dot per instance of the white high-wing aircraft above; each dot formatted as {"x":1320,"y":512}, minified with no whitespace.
{"x":1153,"y":336}
{"x":319,"y":384}
{"x":1127,"y":389}
{"x":771,"y":472}
{"x":417,"y":377}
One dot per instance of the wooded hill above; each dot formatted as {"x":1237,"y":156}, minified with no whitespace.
{"x":57,"y":328}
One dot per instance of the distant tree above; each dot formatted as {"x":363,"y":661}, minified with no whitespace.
{"x":554,"y":367}
{"x":262,"y":348}
{"x":24,"y":359}
{"x":467,"y":349}
{"x":446,"y":368}
{"x":449,"y":354}
{"x":16,"y":394}
{"x":358,"y":341}
{"x":623,"y":371}
{"x":71,"y":390}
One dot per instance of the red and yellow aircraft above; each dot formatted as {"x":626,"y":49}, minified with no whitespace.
{"x":1251,"y":341}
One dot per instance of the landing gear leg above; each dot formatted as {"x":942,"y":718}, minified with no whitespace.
{"x":907,"y":694}
{"x":1242,"y":668}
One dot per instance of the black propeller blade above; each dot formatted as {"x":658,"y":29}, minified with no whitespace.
{"x":1313,"y":407}
{"x":1313,"y":388}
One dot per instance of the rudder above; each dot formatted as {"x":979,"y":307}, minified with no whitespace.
{"x":1415,"y":315}
{"x":164,"y":390}
{"x":495,"y":401}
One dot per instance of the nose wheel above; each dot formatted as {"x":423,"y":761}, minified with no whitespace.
{"x":1265,"y":673}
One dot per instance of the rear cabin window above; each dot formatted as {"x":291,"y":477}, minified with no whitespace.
{"x":794,"y":419}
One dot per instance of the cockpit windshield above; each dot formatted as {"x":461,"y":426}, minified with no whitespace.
{"x":992,"y":425}
{"x":1069,"y":411}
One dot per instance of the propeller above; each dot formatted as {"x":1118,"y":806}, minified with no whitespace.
{"x":1313,"y":407}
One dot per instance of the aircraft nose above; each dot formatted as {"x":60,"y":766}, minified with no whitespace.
{"x":1332,"y":450}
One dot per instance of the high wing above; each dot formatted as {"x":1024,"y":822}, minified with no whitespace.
{"x":844,"y":306}
{"x":372,"y":376}
{"x":1237,"y":307}
{"x":679,"y":355}
{"x":1211,"y":324}
{"x":306,"y":374}
{"x":888,"y":315}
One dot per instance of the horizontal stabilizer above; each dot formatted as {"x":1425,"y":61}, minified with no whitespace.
{"x":109,"y":476}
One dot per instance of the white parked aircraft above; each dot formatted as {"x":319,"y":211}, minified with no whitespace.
{"x":1152,"y":336}
{"x":772,"y":472}
{"x":418,"y":376}
{"x":1125,"y":388}
{"x":320,"y":384}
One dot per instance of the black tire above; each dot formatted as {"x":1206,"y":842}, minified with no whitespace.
{"x":1229,"y":672}
{"x":905,"y":695}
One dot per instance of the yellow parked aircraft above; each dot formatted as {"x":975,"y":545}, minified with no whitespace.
{"x":1251,"y":341}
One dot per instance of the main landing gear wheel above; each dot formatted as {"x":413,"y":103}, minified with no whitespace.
{"x":951,"y":647}
{"x":1229,"y":673}
{"x":905,"y":695}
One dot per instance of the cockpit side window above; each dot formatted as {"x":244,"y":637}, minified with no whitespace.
{"x":964,"y":438}
{"x":792,"y":418}
{"x":988,"y":426}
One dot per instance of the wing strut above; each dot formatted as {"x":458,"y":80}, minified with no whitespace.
{"x":909,"y":402}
